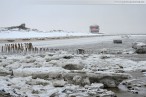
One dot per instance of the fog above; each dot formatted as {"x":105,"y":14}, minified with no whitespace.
{"x":74,"y":17}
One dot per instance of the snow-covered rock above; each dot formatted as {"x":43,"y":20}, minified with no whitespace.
{"x":139,"y":47}
{"x":108,"y":79}
{"x":88,"y":91}
{"x":38,"y":82}
{"x":27,"y":86}
{"x":95,"y":86}
{"x":73,"y":66}
{"x":58,"y":83}
{"x":4,"y":71}
{"x":33,"y":76}
{"x":44,"y":72}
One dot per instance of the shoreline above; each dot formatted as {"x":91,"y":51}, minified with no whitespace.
{"x":11,"y":40}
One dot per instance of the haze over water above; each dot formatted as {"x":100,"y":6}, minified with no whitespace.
{"x":43,"y":16}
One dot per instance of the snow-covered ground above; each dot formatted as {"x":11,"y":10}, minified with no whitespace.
{"x":38,"y":34}
{"x":42,"y":74}
{"x":72,"y":42}
{"x":33,"y":74}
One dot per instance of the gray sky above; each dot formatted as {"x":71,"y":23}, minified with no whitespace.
{"x":43,"y":16}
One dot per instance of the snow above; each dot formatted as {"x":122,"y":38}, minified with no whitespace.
{"x":35,"y":34}
{"x":40,"y":71}
{"x":140,"y":44}
{"x":24,"y":82}
{"x":137,"y":45}
{"x":44,"y":64}
{"x":33,"y":74}
{"x":72,"y":42}
{"x":144,"y":73}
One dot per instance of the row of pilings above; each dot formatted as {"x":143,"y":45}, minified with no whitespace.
{"x":27,"y":48}
{"x":18,"y":48}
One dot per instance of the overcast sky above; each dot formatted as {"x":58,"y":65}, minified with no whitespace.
{"x":43,"y":16}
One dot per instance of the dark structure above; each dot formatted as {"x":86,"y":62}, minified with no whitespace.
{"x":94,"y":28}
{"x":117,"y":41}
{"x":80,"y":51}
{"x":20,"y":27}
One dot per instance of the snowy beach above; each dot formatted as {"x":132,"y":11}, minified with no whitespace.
{"x":72,"y":48}
{"x":64,"y":73}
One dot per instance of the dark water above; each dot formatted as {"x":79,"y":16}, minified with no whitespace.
{"x":122,"y":91}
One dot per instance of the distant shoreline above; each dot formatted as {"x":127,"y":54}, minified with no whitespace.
{"x":11,"y":40}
